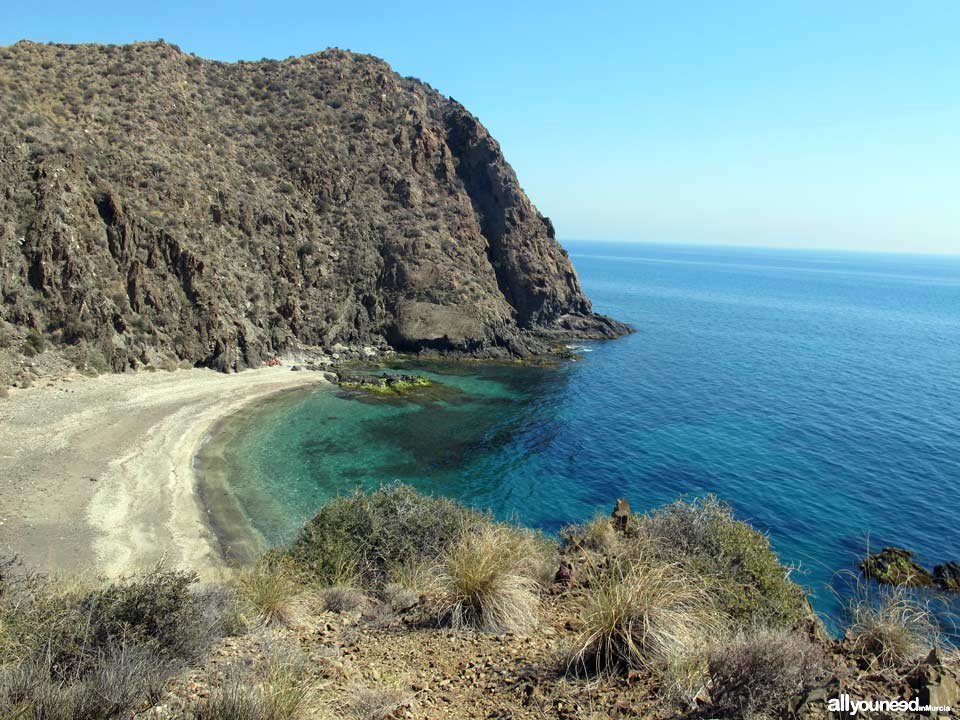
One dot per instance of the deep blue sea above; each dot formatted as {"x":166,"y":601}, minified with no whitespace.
{"x":817,"y":392}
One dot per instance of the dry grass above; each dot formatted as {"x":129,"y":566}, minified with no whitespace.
{"x":377,"y":703}
{"x":278,"y":690}
{"x":418,"y":576}
{"x":341,"y":598}
{"x":399,"y":598}
{"x":755,"y":674}
{"x":890,"y":626}
{"x":119,"y":680}
{"x":597,"y":535}
{"x":273,"y":595}
{"x":484,"y":581}
{"x":648,"y":615}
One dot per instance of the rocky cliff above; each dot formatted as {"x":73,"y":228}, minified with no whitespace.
{"x":157,"y":205}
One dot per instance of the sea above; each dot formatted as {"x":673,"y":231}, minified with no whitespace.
{"x":816,"y":392}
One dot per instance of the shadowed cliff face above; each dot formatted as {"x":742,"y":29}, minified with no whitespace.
{"x":157,"y":204}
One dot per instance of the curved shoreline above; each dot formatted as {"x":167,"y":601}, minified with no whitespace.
{"x":97,"y":475}
{"x":236,"y":539}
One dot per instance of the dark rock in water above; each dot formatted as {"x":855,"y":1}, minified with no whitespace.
{"x":382,"y":383}
{"x":158,"y":205}
{"x":895,"y":566}
{"x":621,"y":515}
{"x":947,"y":576}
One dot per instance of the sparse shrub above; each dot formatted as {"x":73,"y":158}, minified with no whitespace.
{"x":82,"y":652}
{"x":341,"y":598}
{"x":754,"y":675}
{"x":646,"y":614}
{"x":484,"y":584}
{"x":376,"y":703}
{"x":220,"y":610}
{"x":74,"y":624}
{"x":74,"y":330}
{"x":33,"y":343}
{"x":272,"y":594}
{"x":399,"y":598}
{"x":742,"y":571}
{"x":119,"y":680}
{"x":156,"y":609}
{"x":169,"y":364}
{"x":278,"y":691}
{"x":890,"y":626}
{"x":364,"y":535}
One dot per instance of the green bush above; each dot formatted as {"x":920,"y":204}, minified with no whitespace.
{"x":78,"y":651}
{"x":742,"y":571}
{"x":364,"y":536}
{"x":33,"y":344}
{"x":75,"y":625}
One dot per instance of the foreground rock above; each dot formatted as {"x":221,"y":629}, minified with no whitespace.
{"x":160,"y":208}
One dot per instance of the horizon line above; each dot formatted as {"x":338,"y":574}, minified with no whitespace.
{"x":790,"y":248}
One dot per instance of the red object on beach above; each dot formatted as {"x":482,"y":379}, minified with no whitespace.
{"x":273,"y":362}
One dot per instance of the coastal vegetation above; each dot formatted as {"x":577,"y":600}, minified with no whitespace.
{"x":393,"y":604}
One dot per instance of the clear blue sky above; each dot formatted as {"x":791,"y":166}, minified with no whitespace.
{"x":799,"y":124}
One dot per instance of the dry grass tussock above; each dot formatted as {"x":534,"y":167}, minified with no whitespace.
{"x":890,"y":625}
{"x":340,"y":598}
{"x":273,"y":594}
{"x":645,"y":614}
{"x":484,"y":581}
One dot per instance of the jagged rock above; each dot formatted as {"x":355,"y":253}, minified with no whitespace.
{"x":621,"y":515}
{"x":947,"y":576}
{"x":895,"y":566}
{"x":225,"y":213}
{"x":935,"y":684}
{"x":566,"y":573}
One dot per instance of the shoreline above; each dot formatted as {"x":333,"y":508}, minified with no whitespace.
{"x":97,"y":474}
{"x":237,"y":540}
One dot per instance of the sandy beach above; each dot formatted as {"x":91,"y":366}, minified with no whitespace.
{"x":97,"y":473}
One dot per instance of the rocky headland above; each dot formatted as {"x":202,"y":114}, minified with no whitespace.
{"x":162,"y":210}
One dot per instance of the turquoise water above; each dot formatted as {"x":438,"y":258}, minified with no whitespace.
{"x":817,"y":392}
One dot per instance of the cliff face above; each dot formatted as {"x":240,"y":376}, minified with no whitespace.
{"x":154,"y":204}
